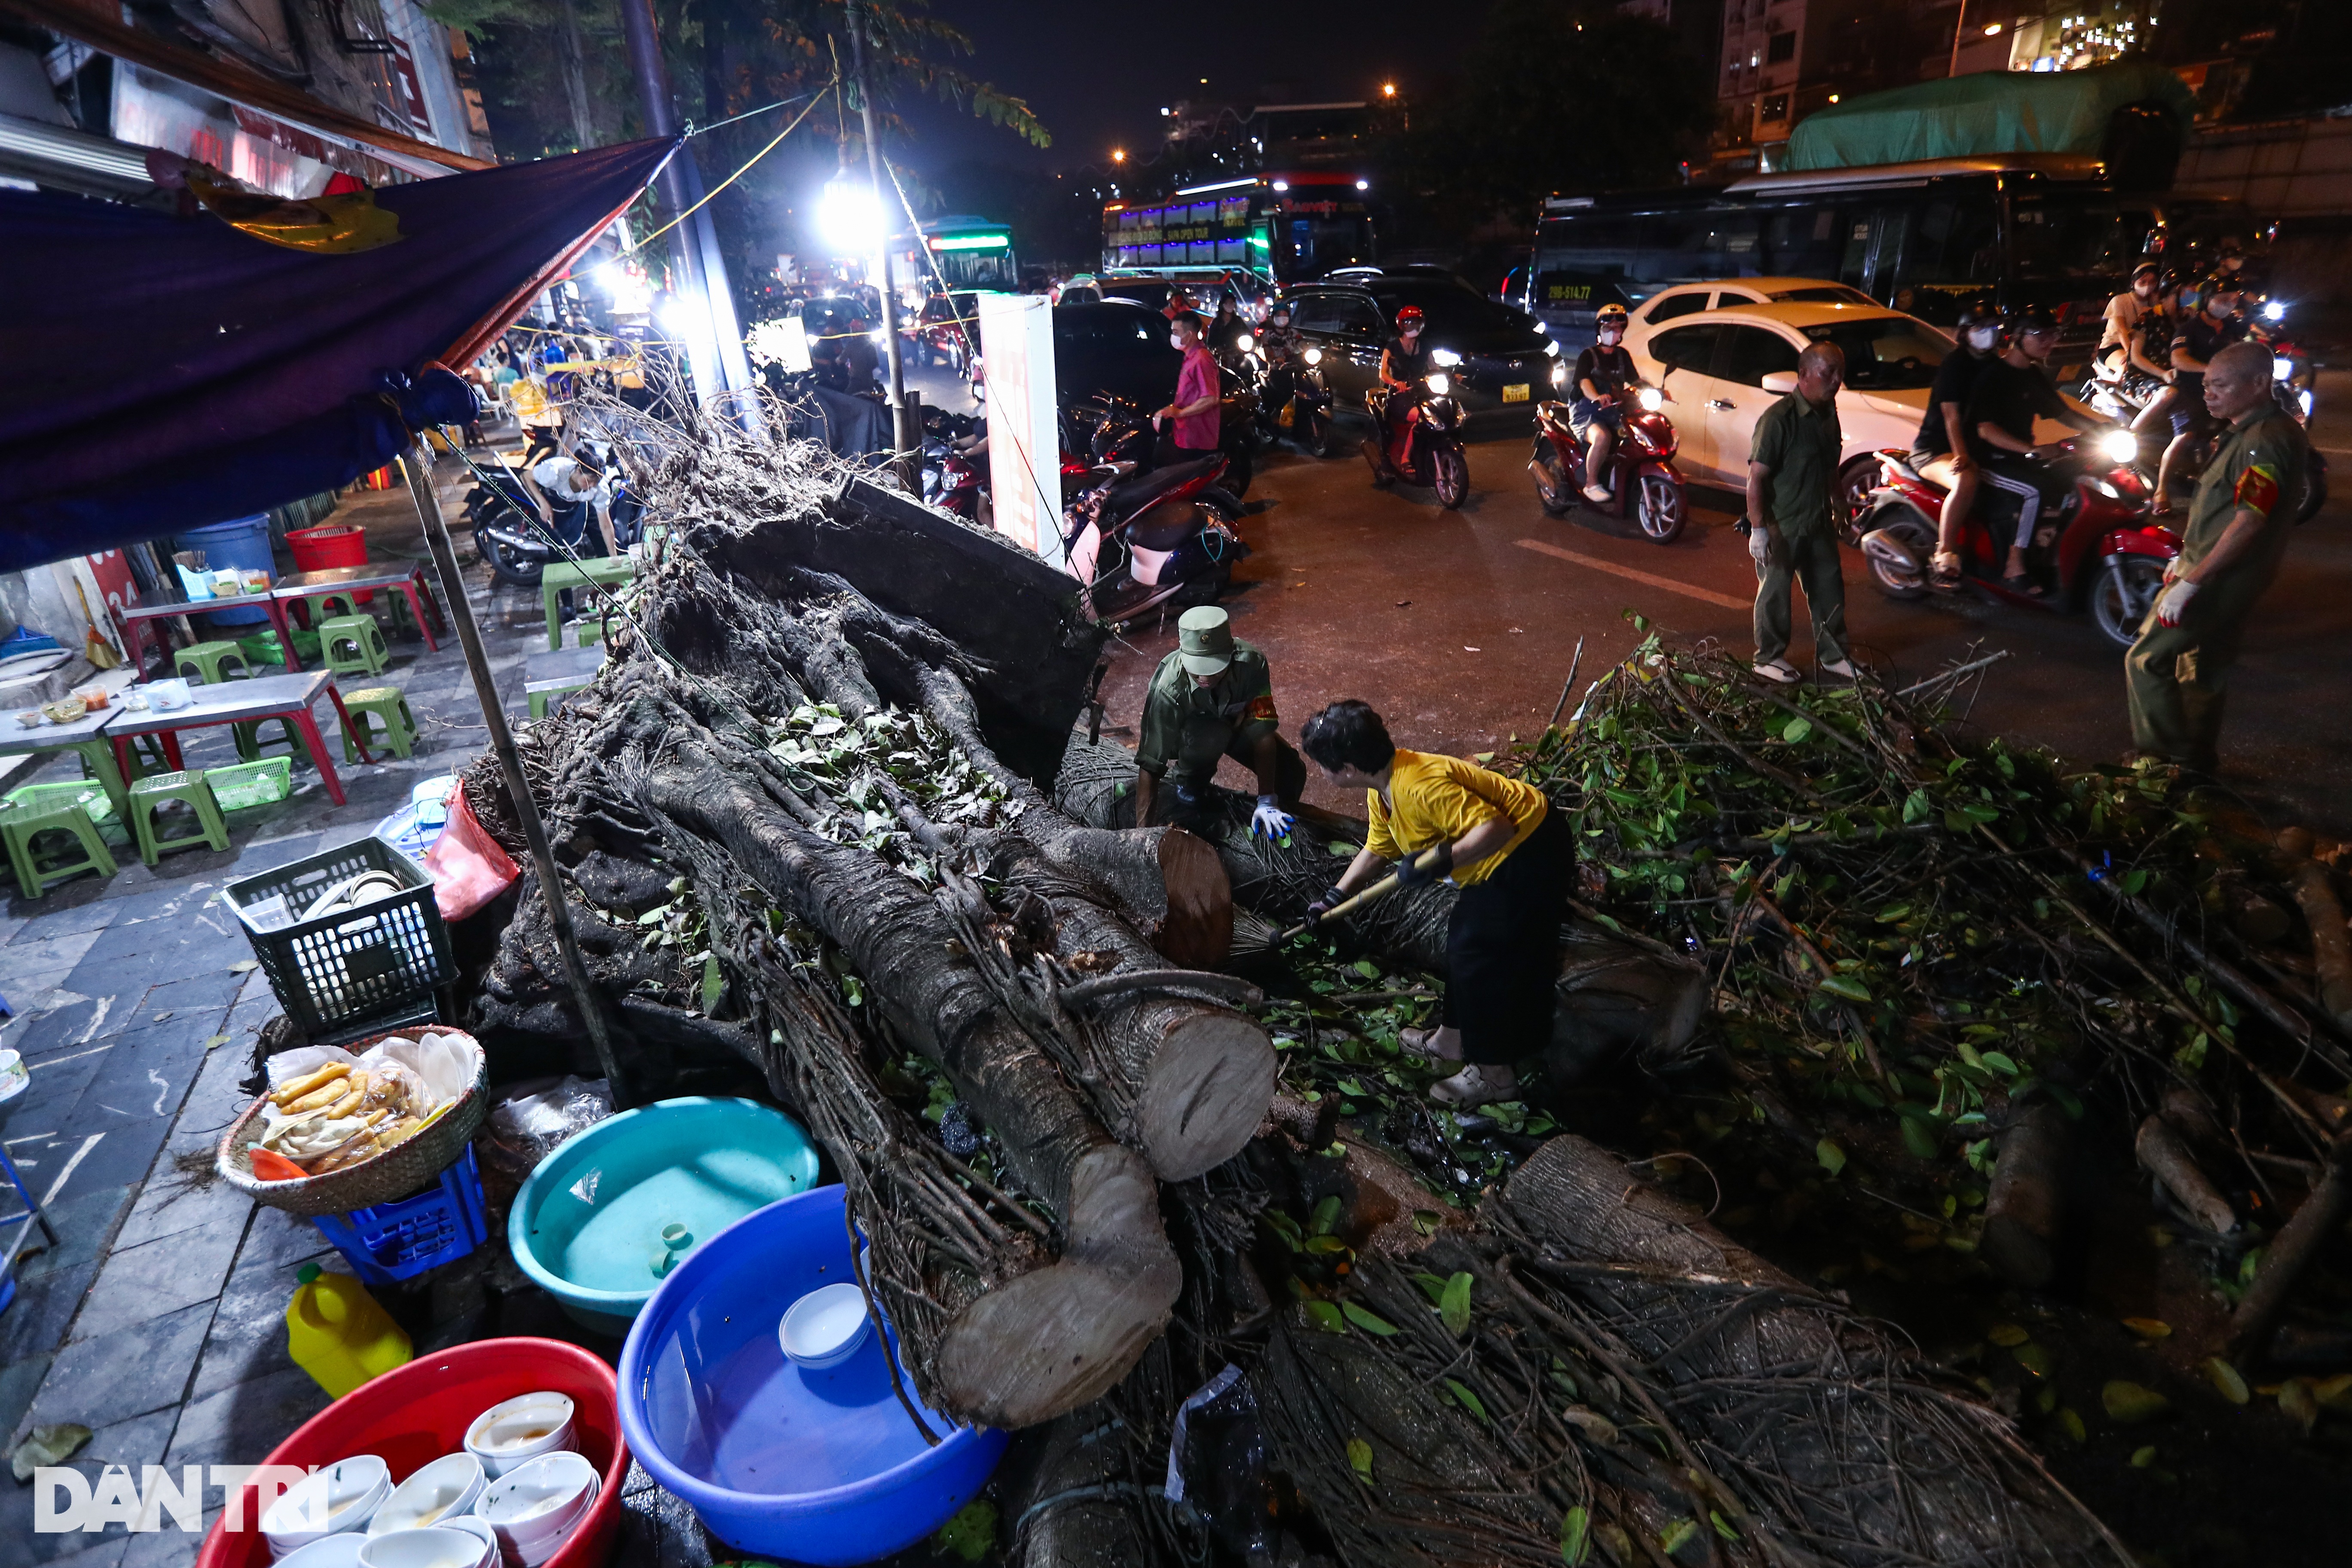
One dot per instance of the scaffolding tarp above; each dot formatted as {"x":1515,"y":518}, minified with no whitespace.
{"x":1985,"y":113}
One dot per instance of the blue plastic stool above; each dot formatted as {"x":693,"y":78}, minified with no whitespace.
{"x":24,"y":1222}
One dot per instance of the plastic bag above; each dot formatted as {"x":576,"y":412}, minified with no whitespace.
{"x":531,"y":1118}
{"x":468,"y":866}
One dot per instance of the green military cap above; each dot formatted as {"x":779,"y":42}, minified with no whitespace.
{"x":1205,"y":638}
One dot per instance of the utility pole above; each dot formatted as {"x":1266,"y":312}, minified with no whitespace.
{"x":902,"y":432}
{"x":1959,"y":27}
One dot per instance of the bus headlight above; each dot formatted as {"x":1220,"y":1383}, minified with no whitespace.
{"x":2282,"y":369}
{"x":1439,"y":383}
{"x":1559,"y":375}
{"x":2119,"y":446}
{"x":1313,"y":356}
{"x":1245,"y":342}
{"x":1651,"y":399}
{"x":1445,"y":357}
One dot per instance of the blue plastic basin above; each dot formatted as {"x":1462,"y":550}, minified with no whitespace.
{"x":811,"y":1466}
{"x":244,"y":542}
{"x":587,"y":1225}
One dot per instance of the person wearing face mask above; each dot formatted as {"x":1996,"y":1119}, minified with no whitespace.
{"x":2213,"y":326}
{"x":1194,"y":413}
{"x":1403,"y":364}
{"x":2013,"y":391}
{"x":1604,"y":372}
{"x":1940,"y":453}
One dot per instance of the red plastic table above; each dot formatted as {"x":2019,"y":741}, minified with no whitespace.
{"x":402,"y":576}
{"x":155,"y":607}
{"x":286,"y":697}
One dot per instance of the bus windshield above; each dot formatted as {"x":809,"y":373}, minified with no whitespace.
{"x":2061,"y":238}
{"x":1885,"y":354}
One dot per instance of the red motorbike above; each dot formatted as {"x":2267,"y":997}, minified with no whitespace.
{"x":1136,"y":541}
{"x":1641,"y":480}
{"x":1426,"y":446}
{"x":2094,"y":546}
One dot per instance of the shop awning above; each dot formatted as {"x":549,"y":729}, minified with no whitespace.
{"x":1983,"y":114}
{"x":169,"y":372}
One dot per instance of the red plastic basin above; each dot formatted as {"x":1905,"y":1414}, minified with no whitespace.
{"x":420,"y":1412}
{"x":330,"y":545}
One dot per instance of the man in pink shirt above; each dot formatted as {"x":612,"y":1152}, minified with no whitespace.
{"x":1197,"y":393}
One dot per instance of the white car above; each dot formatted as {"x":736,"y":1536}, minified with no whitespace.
{"x":1720,"y":367}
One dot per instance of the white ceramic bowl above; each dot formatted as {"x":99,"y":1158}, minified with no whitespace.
{"x":438,"y":1548}
{"x":520,"y":1428}
{"x":535,"y":1506}
{"x":825,"y":1327}
{"x":329,"y":1551}
{"x":329,"y":1501}
{"x":472,"y":1525}
{"x":436,"y":1494}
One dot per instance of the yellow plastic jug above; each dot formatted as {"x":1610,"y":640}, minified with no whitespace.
{"x":338,"y":1333}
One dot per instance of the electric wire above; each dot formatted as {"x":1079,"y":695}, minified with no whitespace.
{"x":815,"y":99}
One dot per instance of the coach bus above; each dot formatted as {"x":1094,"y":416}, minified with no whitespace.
{"x":968,"y":252}
{"x":1927,"y":237}
{"x":1283,"y":227}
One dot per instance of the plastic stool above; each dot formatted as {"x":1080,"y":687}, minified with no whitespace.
{"x":318,"y":608}
{"x":588,"y":634}
{"x":206,"y":658}
{"x":387,"y":703}
{"x":148,"y":757}
{"x":353,"y":645}
{"x":18,"y":825}
{"x":149,"y":793}
{"x":250,"y":743}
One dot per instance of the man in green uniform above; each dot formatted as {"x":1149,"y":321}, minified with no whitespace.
{"x":1213,"y":698}
{"x":1792,"y":464}
{"x":2176,"y":673}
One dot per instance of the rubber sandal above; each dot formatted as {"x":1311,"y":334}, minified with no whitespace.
{"x":1944,"y":571}
{"x":1778,"y":670}
{"x":2021,"y":583}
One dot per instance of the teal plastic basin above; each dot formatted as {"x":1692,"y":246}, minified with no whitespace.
{"x":589,"y":1224}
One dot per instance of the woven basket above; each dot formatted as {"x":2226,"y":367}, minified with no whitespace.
{"x":395,"y":1174}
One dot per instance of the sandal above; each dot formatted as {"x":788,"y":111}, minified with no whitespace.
{"x":1944,"y":570}
{"x":2022,"y":583}
{"x":1424,"y":1043}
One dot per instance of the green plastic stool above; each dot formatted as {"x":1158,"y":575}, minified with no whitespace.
{"x":588,"y":634}
{"x":353,"y":645}
{"x":250,"y":743}
{"x":148,"y":757}
{"x":19,"y":825}
{"x":149,"y":793}
{"x":387,"y":703}
{"x":206,"y":658}
{"x":319,"y":608}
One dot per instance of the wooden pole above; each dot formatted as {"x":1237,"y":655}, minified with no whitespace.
{"x":414,"y":465}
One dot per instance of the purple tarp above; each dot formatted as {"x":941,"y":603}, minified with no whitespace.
{"x":166,"y":373}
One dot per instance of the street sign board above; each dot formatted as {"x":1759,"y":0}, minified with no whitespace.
{"x":1024,"y":446}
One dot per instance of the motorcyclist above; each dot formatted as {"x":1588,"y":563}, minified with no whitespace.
{"x":1941,"y":453}
{"x":1226,"y":330}
{"x":2152,"y":351}
{"x":1404,"y":365}
{"x":2120,"y":340}
{"x":2213,"y":325}
{"x":1277,"y":339}
{"x":2013,"y":391}
{"x":1603,"y":373}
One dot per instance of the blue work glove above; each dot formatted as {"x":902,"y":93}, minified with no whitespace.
{"x":1270,"y":820}
{"x":1421,"y":870}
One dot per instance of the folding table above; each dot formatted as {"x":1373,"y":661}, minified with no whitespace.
{"x":286,"y":697}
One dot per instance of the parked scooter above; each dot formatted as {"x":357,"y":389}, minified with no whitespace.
{"x":955,"y":480}
{"x":1136,"y":541}
{"x":2096,"y":545}
{"x":1426,"y":448}
{"x":1642,"y":479}
{"x":1106,"y":429}
{"x":517,"y":546}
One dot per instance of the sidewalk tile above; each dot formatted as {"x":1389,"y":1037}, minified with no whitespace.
{"x":85,"y":1225}
{"x":18,"y":1383}
{"x":140,"y":1284}
{"x":247,"y":1338}
{"x":127,"y":1373}
{"x":35,"y":1324}
{"x":241,"y":1424}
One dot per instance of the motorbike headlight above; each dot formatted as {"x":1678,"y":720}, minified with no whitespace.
{"x":2275,"y":310}
{"x":2304,"y":397}
{"x":1445,"y":357}
{"x":1559,"y":375}
{"x":1551,"y":347}
{"x":2119,"y":446}
{"x":2106,"y":489}
{"x":1245,"y":342}
{"x":1314,"y":356}
{"x":2282,"y":369}
{"x":1651,"y":399}
{"x":1440,"y":382}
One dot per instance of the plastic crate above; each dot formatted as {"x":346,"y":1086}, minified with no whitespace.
{"x":241,"y":786}
{"x":332,"y":973}
{"x":89,"y":794}
{"x":402,"y":1239}
{"x":262,"y":647}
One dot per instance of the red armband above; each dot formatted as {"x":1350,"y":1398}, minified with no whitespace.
{"x":2258,"y":488}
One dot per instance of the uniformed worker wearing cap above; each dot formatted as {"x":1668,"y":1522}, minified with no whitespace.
{"x":1213,"y":698}
{"x":2176,"y":673}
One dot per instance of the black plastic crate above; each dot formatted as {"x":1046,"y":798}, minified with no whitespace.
{"x":381,"y":960}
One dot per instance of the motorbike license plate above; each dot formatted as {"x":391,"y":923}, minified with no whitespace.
{"x":1517,"y":392}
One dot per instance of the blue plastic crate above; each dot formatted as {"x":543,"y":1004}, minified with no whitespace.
{"x":402,"y":1239}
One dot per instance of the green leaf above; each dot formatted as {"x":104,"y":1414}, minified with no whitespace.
{"x":713,"y":983}
{"x":1327,"y":1317}
{"x":971,"y":1534}
{"x":1368,"y":969}
{"x":1453,"y":1306}
{"x":1797,"y":730}
{"x":1920,"y":1138}
{"x":2072,"y":1425}
{"x":1434,"y":1287}
{"x":2007,"y":1334}
{"x":1847,"y":986}
{"x":1360,"y":1459}
{"x":1917,"y":806}
{"x":1327,"y":1215}
{"x":2143,"y":1457}
{"x":1468,"y":1400}
{"x":2226,"y":1378}
{"x":1576,"y":1536}
{"x":1999,"y":1062}
{"x":1722,"y":1525}
{"x":1676,"y":1533}
{"x":2130,"y":1403}
{"x":1370,"y":1321}
{"x":1832,"y":1157}
{"x":213,"y":1041}
{"x":2134,"y":881}
{"x":2032,"y":1358}
{"x":1342,"y":849}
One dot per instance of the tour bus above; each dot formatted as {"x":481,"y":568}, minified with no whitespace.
{"x":1926,"y":237}
{"x":1282,"y":226}
{"x":969,"y":253}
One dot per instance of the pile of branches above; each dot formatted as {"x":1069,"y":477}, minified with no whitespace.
{"x":787,"y":837}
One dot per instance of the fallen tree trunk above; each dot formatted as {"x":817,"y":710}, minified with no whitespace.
{"x":2164,"y":1156}
{"x":2286,"y":1261}
{"x":2025,"y":1207}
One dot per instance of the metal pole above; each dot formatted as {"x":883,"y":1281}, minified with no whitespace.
{"x":661,"y":120}
{"x":902,"y":431}
{"x":413,"y":466}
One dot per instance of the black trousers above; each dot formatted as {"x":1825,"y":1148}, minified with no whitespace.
{"x":1502,"y":949}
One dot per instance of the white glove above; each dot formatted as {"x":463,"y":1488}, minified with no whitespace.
{"x":2173,"y":603}
{"x":1270,"y":820}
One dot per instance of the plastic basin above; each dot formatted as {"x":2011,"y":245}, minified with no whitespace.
{"x":587,"y":1224}
{"x":243,"y":544}
{"x":415,"y":1414}
{"x":778,"y":1460}
{"x":330,"y":545}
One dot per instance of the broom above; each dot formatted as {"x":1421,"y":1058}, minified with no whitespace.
{"x":1254,"y":935}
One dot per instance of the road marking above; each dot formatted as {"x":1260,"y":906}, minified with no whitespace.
{"x":67,"y":1174}
{"x":1668,"y":584}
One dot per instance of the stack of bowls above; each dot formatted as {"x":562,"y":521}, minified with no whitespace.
{"x":443,"y":1546}
{"x":533,"y":1508}
{"x":338,"y":1498}
{"x":439,"y":1493}
{"x":521,"y":1428}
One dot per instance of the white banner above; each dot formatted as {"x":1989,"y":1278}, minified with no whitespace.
{"x":1024,"y":444}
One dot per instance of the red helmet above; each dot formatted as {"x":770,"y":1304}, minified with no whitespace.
{"x":1408,"y":319}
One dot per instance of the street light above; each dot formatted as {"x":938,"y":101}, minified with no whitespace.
{"x":850,"y":216}
{"x":1388,"y":89}
{"x":1119,"y":154}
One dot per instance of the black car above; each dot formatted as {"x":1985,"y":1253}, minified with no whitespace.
{"x":1507,"y":362}
{"x":1117,"y":347}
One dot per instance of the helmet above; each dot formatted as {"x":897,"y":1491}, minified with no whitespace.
{"x":2031,"y":318}
{"x":1976,"y":314}
{"x":1408,"y":319}
{"x":1609,"y":316}
{"x":2222,"y":283}
{"x":2147,"y":265}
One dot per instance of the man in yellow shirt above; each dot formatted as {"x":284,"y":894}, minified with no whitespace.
{"x":1512,"y":856}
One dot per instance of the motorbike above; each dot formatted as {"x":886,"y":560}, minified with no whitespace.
{"x":953,"y":480}
{"x":1427,"y":450}
{"x":2102,"y":551}
{"x":2120,"y":391}
{"x":1103,"y":428}
{"x":1294,"y":400}
{"x":1642,"y":479}
{"x":1139,"y":540}
{"x":517,"y":546}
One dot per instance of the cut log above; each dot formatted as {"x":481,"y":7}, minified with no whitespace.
{"x":2331,"y":943}
{"x":2164,"y":1156}
{"x":1169,"y":884}
{"x":2025,"y":1209}
{"x":2287,"y":1259}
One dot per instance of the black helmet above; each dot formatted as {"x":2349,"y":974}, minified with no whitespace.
{"x":2031,"y":318}
{"x":1978,"y":313}
{"x":1277,"y":308}
{"x":2147,"y":265}
{"x":2222,"y":283}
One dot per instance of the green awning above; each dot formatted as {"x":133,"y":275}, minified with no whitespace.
{"x":1984,"y":114}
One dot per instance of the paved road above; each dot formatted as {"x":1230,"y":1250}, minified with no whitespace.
{"x":1460,"y":626}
